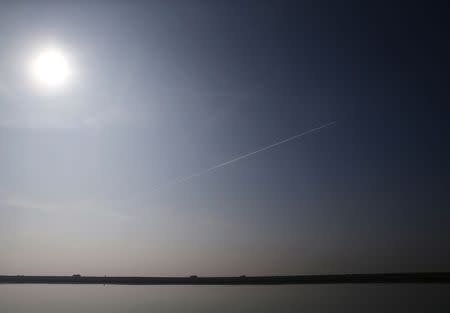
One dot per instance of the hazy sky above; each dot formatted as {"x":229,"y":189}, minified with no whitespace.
{"x":166,"y":89}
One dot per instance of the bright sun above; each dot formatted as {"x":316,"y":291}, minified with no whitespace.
{"x":50,"y":68}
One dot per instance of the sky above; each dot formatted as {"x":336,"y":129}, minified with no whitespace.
{"x":162,"y":90}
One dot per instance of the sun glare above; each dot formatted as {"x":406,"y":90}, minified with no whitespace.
{"x":50,"y":68}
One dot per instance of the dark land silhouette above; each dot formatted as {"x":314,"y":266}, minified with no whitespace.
{"x":436,"y":277}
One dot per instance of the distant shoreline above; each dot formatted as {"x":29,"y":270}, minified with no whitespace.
{"x":436,"y":277}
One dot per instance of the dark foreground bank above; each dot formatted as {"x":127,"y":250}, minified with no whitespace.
{"x":443,"y":277}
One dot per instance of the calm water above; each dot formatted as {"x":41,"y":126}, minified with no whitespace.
{"x":186,"y":299}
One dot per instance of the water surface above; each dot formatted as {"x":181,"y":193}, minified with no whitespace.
{"x":236,"y":299}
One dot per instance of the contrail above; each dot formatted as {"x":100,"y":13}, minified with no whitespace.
{"x":244,"y":156}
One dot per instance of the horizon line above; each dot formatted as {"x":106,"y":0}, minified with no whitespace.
{"x":392,"y":277}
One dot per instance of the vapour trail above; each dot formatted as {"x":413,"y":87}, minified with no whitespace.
{"x":244,"y":156}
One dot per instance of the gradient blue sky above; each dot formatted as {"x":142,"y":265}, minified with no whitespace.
{"x":165,"y":89}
